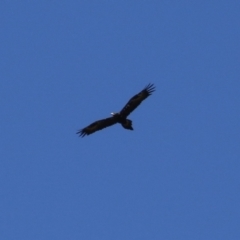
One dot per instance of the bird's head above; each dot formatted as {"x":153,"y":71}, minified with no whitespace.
{"x":115,"y":114}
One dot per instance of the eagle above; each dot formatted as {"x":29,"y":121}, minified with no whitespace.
{"x":120,"y":117}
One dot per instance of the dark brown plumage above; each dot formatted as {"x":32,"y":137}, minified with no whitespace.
{"x":96,"y":126}
{"x":120,"y":117}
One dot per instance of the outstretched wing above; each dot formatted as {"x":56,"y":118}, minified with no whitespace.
{"x":136,"y":100}
{"x":96,"y":126}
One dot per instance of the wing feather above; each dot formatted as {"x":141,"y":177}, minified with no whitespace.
{"x":136,"y":100}
{"x":96,"y":126}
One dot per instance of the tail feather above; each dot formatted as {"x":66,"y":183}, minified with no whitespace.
{"x":127,"y":124}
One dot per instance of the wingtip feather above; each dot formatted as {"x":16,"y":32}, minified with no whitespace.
{"x":150,"y":88}
{"x":81,"y":133}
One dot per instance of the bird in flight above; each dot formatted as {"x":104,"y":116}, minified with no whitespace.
{"x":120,"y":117}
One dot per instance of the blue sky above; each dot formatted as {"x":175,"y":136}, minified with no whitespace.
{"x":65,"y":64}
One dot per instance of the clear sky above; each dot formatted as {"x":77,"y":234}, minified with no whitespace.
{"x":65,"y":64}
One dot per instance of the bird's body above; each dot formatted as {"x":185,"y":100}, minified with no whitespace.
{"x":126,"y":123}
{"x":120,"y":117}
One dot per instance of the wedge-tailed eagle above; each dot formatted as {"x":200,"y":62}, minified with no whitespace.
{"x":120,"y":117}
